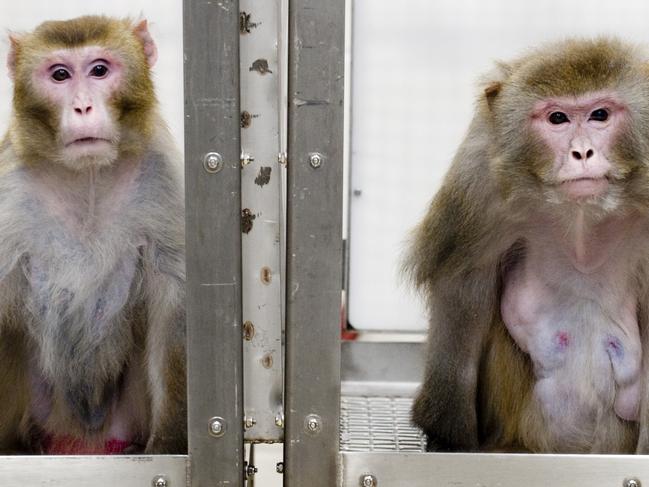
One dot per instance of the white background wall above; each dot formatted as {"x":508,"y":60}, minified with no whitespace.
{"x":165,"y":25}
{"x":415,"y":65}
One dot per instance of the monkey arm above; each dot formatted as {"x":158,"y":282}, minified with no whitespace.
{"x":642,"y":447}
{"x":454,"y":260}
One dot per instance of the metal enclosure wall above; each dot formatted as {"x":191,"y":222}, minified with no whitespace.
{"x":314,"y":241}
{"x":213,"y":222}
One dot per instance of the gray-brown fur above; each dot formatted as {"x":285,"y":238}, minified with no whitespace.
{"x":477,"y":381}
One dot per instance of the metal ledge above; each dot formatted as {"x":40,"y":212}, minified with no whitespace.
{"x":491,"y":470}
{"x":98,"y":471}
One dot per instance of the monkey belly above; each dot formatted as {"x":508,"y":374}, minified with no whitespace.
{"x":586,"y":358}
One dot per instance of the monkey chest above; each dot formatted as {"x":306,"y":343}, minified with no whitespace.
{"x":581,"y":333}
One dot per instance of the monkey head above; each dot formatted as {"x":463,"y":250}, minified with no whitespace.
{"x":83,"y":93}
{"x":571,"y":125}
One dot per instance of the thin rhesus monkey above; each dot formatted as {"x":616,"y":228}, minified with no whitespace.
{"x":534,"y":260}
{"x":92,"y":333}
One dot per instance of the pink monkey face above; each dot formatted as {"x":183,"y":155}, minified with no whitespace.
{"x":580,"y":132}
{"x":80,"y":83}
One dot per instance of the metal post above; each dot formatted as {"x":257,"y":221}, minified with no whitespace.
{"x":262,"y":278}
{"x":314,"y":241}
{"x":213,"y":222}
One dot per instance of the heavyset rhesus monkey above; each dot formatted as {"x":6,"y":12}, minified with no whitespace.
{"x":534,"y":258}
{"x":92,"y":334}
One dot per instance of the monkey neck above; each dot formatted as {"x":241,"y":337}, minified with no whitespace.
{"x":590,"y":241}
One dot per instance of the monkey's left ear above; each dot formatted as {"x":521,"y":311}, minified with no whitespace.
{"x":141,"y":31}
{"x":491,"y":92}
{"x":12,"y":57}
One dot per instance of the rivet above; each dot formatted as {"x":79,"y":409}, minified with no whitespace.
{"x":248,"y":331}
{"x":213,"y":162}
{"x":632,"y":482}
{"x":279,"y":468}
{"x":266,"y":275}
{"x":368,"y":480}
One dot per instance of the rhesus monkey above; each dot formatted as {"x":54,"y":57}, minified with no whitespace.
{"x":534,"y":259}
{"x":92,"y":344}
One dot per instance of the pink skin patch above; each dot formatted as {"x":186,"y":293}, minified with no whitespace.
{"x":561,"y":340}
{"x":68,"y":445}
{"x":580,"y":132}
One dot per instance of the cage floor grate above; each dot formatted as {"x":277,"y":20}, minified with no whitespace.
{"x":378,"y":424}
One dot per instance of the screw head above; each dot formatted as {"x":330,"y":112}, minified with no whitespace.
{"x":632,"y":483}
{"x":213,"y":162}
{"x":313,"y":424}
{"x":315,"y":160}
{"x":217,"y":427}
{"x":249,"y":422}
{"x":368,"y":480}
{"x":159,"y":481}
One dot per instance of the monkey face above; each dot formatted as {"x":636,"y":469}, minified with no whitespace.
{"x":78,"y":86}
{"x":580,"y":133}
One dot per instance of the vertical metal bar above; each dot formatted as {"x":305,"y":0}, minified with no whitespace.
{"x":314,"y":241}
{"x":213,"y":214}
{"x":262,"y":279}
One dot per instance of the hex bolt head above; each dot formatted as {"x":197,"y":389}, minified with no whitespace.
{"x":159,"y":481}
{"x":315,"y":159}
{"x":213,"y":162}
{"x":632,"y":482}
{"x":217,"y":427}
{"x":368,"y":480}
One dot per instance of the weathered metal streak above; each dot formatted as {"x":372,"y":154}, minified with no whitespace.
{"x":212,"y":124}
{"x":314,"y":241}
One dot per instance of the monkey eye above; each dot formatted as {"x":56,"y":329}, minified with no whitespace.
{"x":557,"y":118}
{"x":599,"y":115}
{"x":99,"y":71}
{"x":60,"y":74}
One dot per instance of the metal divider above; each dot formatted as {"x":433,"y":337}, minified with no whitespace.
{"x":213,"y":226}
{"x":262,"y":278}
{"x":314,"y":242}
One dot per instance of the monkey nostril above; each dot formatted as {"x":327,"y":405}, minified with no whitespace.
{"x":589,"y":153}
{"x":576,"y":155}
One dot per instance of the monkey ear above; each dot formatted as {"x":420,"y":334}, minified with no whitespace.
{"x":491,"y":92}
{"x":141,"y":31}
{"x":14,"y":41}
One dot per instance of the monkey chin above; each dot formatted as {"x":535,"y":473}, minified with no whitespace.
{"x":87,"y":155}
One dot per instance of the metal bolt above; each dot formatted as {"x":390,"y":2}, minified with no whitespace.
{"x":249,"y":422}
{"x":368,"y":481}
{"x":217,"y":426}
{"x":246,"y":159}
{"x":313,"y":424}
{"x":632,"y":483}
{"x":213,"y":162}
{"x":279,"y":468}
{"x":315,"y":160}
{"x":282,"y":158}
{"x":279,"y":420}
{"x":159,"y":481}
{"x":251,"y":470}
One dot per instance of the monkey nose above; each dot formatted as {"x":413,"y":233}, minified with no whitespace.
{"x":582,"y":154}
{"x":83,"y":109}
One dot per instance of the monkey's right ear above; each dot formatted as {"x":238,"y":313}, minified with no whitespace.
{"x":12,"y":57}
{"x":491,"y":92}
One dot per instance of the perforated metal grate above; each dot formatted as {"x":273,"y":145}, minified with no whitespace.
{"x":378,"y":424}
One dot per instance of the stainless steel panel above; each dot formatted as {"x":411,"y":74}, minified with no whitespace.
{"x":262,"y":279}
{"x":213,"y":226}
{"x":96,"y":471}
{"x":314,"y":241}
{"x":492,"y":470}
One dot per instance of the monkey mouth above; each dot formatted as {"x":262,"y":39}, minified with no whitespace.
{"x":85,"y":141}
{"x":584,"y":187}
